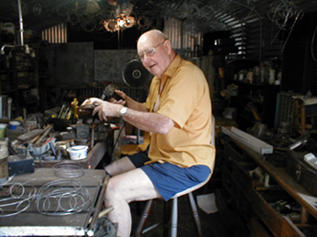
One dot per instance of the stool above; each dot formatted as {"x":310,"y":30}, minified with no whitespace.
{"x":174,"y":215}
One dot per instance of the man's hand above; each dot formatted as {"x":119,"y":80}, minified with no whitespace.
{"x":122,"y":101}
{"x":106,"y":109}
{"x":91,"y":103}
{"x":102,"y":108}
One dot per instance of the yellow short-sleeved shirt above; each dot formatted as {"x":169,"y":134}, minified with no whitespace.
{"x":185,"y":99}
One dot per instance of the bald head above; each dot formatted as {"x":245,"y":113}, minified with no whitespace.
{"x":154,"y":36}
{"x":155,"y":51}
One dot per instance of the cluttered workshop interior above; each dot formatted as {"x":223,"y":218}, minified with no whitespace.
{"x":260,"y":62}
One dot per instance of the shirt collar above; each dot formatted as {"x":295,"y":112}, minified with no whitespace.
{"x":171,"y":69}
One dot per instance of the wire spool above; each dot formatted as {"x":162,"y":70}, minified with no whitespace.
{"x":134,"y":74}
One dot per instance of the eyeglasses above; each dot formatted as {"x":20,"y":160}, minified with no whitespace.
{"x":149,"y":52}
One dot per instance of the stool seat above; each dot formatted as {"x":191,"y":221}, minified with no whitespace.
{"x":174,"y":214}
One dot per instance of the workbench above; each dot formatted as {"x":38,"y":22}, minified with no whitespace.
{"x":99,"y":149}
{"x":256,"y":200}
{"x":94,"y":157}
{"x":43,"y":217}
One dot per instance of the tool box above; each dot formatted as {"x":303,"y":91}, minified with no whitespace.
{"x":300,"y":167}
{"x":20,"y":165}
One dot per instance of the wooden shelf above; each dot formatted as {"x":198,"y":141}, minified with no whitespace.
{"x":294,"y":189}
{"x":261,"y":199}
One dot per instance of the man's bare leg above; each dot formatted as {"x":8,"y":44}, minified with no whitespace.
{"x":119,"y":166}
{"x":122,"y":189}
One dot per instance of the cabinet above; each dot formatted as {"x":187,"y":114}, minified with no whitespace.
{"x":263,"y":190}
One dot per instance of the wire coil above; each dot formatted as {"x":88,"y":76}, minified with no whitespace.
{"x":68,"y":170}
{"x":62,"y":197}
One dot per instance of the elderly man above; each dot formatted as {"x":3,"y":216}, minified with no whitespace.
{"x":177,"y":115}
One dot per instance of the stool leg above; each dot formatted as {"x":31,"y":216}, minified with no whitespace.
{"x":166,"y":219}
{"x":195,"y":213}
{"x":174,"y":218}
{"x":144,"y":217}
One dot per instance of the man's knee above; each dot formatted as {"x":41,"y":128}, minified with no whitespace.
{"x":112,"y":190}
{"x":117,"y":185}
{"x":119,"y":166}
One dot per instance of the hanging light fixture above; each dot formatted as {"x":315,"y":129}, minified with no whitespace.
{"x":123,"y":18}
{"x":121,"y":22}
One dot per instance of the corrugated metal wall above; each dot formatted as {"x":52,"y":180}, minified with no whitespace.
{"x":55,"y":34}
{"x":260,"y":29}
{"x":182,"y":39}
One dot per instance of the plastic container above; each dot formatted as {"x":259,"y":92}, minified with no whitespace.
{"x":4,"y":153}
{"x":77,"y":152}
{"x":2,"y":129}
{"x":14,"y":124}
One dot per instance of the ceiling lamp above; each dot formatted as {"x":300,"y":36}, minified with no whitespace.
{"x":121,"y":22}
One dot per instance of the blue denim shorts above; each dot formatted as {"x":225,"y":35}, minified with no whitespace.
{"x":170,"y":179}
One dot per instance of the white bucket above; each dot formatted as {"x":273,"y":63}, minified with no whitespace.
{"x":77,"y":152}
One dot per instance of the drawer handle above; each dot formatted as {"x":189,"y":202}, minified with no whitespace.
{"x":298,"y":172}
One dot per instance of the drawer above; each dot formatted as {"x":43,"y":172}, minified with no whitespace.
{"x":280,"y":225}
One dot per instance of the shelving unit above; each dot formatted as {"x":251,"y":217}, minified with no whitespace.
{"x":257,"y":188}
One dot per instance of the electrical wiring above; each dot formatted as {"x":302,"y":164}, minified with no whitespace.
{"x":298,"y":16}
{"x":281,"y":12}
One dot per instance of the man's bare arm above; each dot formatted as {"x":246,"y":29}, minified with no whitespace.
{"x":150,"y":122}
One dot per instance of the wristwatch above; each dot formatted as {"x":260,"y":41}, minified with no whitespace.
{"x":123,"y":111}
